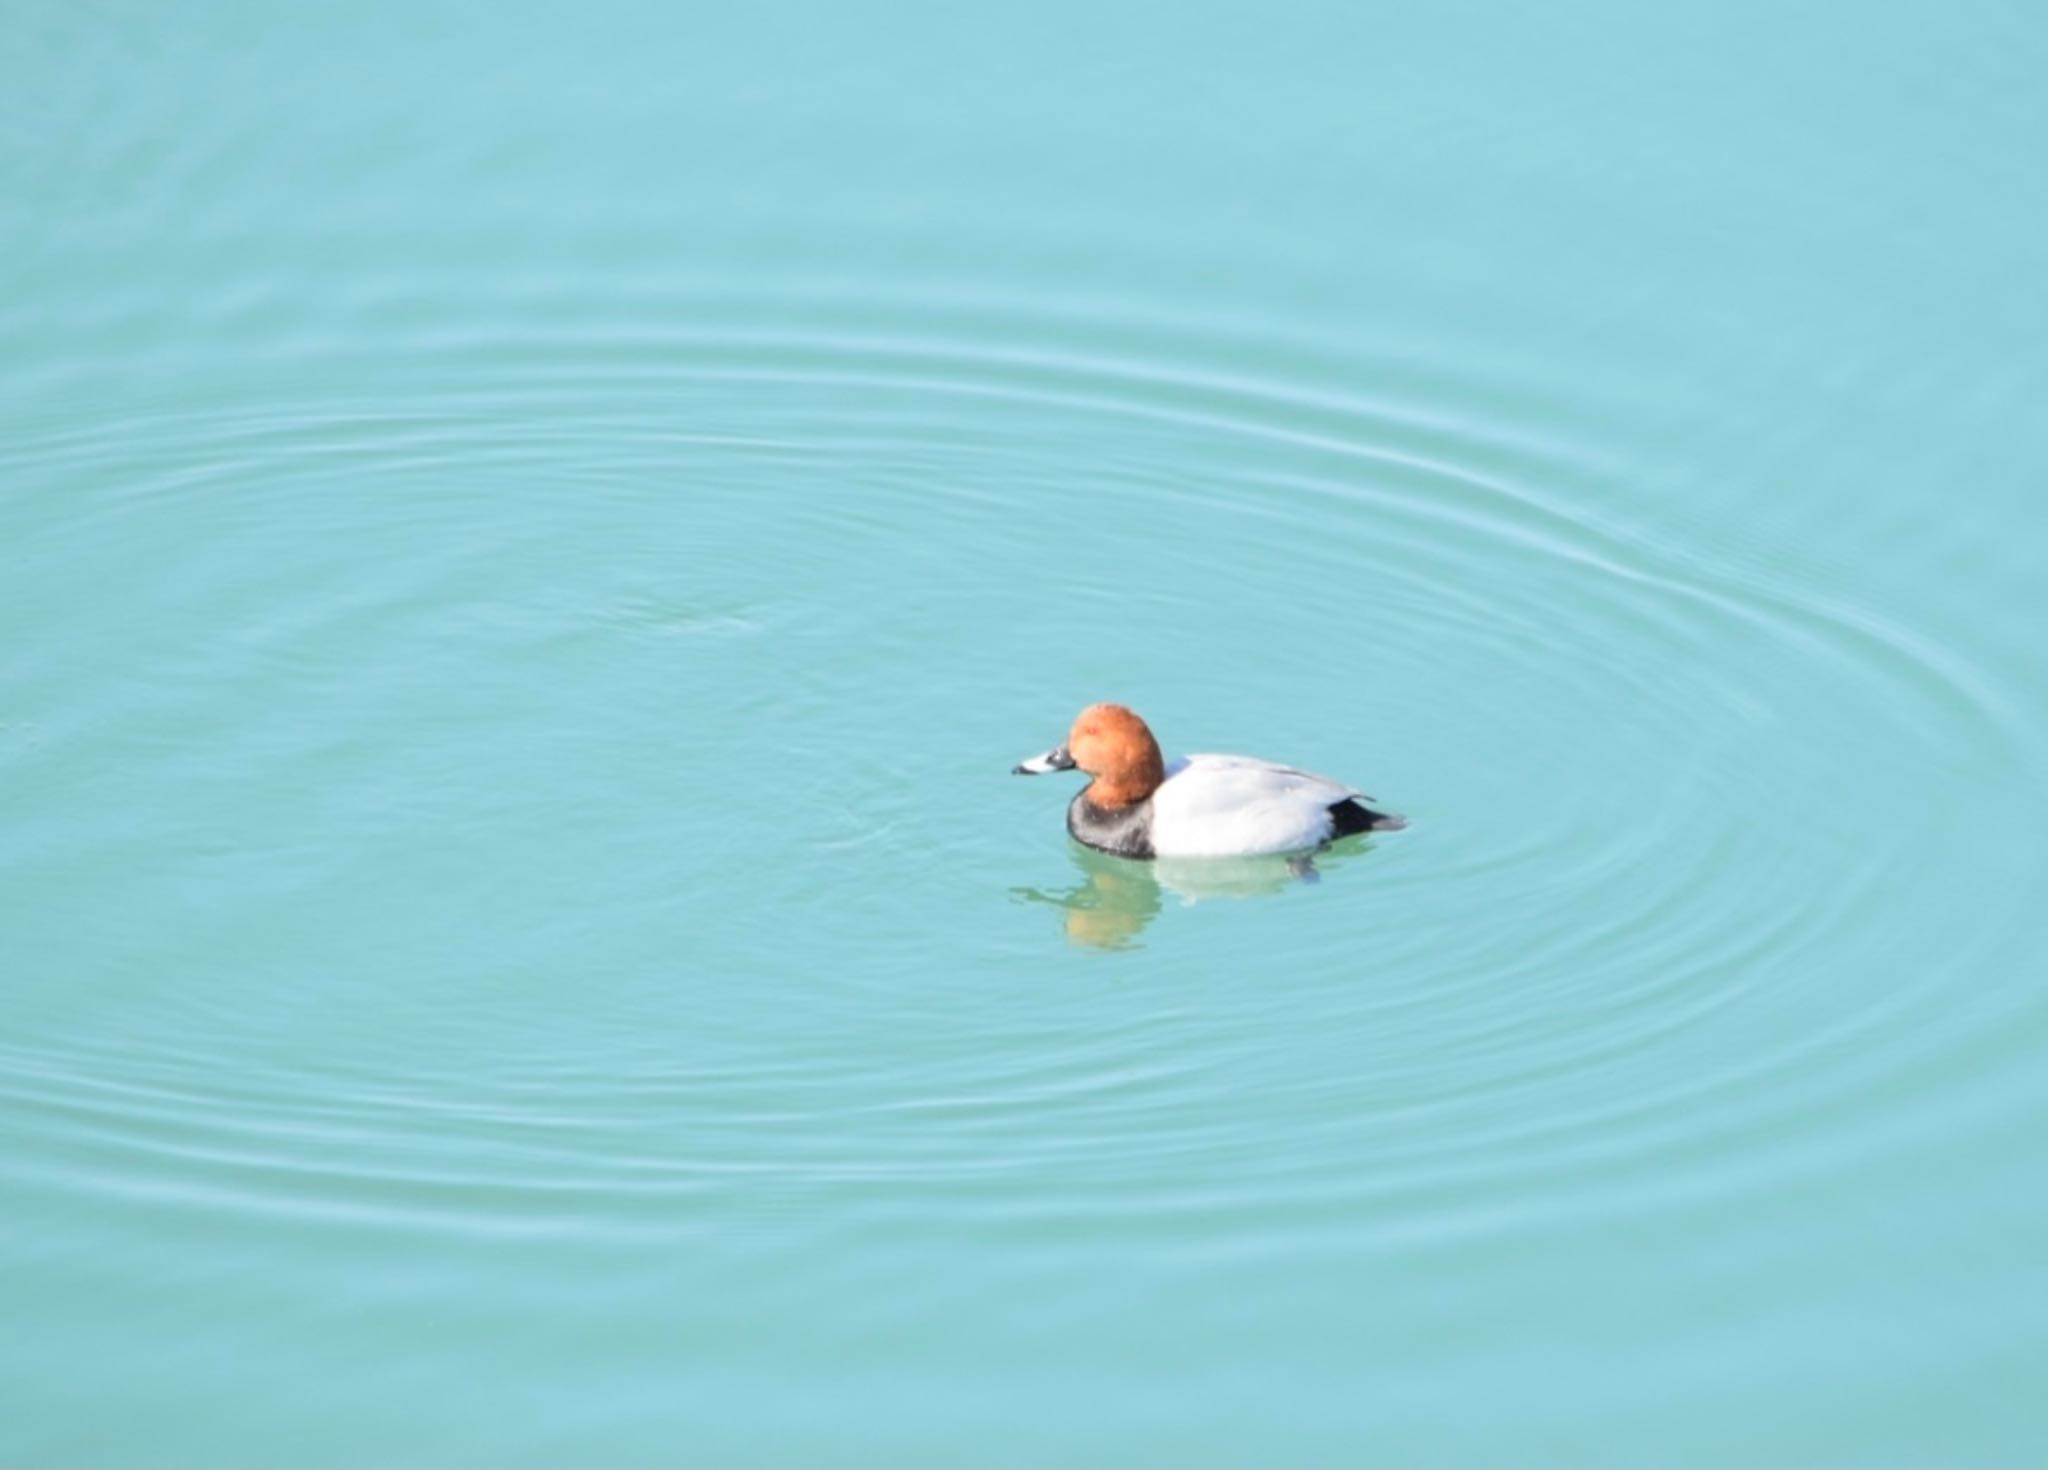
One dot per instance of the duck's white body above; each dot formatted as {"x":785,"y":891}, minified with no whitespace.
{"x":1234,"y":805}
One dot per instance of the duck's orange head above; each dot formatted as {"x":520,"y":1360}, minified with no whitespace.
{"x":1114,"y":746}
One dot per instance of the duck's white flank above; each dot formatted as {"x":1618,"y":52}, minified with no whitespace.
{"x":1224,"y":805}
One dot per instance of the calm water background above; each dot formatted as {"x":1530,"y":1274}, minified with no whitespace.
{"x":533,"y":536}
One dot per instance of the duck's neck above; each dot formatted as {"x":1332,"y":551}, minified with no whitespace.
{"x":1128,"y":785}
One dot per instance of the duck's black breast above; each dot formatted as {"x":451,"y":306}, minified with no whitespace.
{"x":1124,"y":830}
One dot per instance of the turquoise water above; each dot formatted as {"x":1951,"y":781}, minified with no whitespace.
{"x":535,"y":535}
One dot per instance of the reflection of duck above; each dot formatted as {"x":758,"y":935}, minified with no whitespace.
{"x":1112,"y":904}
{"x":1199,"y":806}
{"x":1118,"y":897}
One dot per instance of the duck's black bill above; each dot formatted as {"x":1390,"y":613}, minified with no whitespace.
{"x":1055,"y":759}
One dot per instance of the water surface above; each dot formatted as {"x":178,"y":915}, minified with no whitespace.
{"x":533,"y":540}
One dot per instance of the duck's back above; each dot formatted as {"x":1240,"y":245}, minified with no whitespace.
{"x":1223,"y":805}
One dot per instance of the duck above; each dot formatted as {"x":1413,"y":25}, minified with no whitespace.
{"x":1140,"y":805}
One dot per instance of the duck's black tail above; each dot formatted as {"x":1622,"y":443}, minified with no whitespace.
{"x":1351,"y":817}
